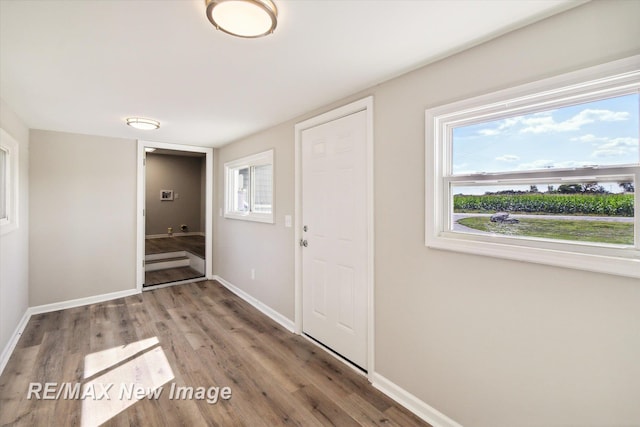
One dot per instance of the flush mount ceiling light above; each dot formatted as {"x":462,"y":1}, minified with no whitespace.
{"x":243,"y":18}
{"x":142,"y":123}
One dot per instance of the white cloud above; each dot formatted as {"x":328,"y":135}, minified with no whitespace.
{"x":489,"y":132}
{"x":548,"y":124}
{"x":504,"y":125}
{"x":544,"y":121}
{"x":539,"y":124}
{"x":508,"y":158}
{"x":621,"y":142}
{"x":605,"y":115}
{"x":616,"y":147}
{"x":588,"y":138}
{"x":510,"y":122}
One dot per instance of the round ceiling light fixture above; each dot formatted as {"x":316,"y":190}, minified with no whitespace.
{"x":243,"y":18}
{"x":142,"y":123}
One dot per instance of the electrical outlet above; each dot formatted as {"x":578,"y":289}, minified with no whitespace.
{"x":253,"y":274}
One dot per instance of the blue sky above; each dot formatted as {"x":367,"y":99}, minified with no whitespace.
{"x":603,"y":132}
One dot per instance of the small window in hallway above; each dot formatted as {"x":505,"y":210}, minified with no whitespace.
{"x":249,"y":188}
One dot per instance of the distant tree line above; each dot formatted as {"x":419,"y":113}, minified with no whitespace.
{"x":586,"y":188}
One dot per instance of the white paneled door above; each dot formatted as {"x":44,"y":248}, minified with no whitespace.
{"x":334,"y":236}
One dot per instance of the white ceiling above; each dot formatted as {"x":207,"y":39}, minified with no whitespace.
{"x":83,"y":66}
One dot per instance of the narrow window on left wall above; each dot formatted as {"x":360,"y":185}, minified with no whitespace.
{"x":8,"y":183}
{"x":249,"y":188}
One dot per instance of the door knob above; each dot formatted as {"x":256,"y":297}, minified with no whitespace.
{"x":304,"y":243}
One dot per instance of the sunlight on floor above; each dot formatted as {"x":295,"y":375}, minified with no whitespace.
{"x":123,"y":384}
{"x":101,"y":360}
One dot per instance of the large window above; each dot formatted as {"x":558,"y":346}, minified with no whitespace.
{"x":249,"y":188}
{"x":545,"y":172}
{"x":8,"y":183}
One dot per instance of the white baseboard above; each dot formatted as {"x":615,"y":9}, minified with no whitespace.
{"x":412,"y":403}
{"x":160,"y":236}
{"x":274,"y":315}
{"x":11,"y":345}
{"x":46,"y":308}
{"x":397,"y":393}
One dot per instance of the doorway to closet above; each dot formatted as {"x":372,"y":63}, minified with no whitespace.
{"x":174,"y":214}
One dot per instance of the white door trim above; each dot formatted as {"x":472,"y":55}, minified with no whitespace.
{"x":365,"y":104}
{"x":141,"y":191}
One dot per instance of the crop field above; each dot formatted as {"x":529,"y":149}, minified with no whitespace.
{"x":560,"y":204}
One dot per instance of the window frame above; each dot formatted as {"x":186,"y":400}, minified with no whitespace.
{"x":250,"y":162}
{"x":608,"y":80}
{"x":10,"y":146}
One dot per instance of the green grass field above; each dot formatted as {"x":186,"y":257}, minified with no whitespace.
{"x":558,"y":229}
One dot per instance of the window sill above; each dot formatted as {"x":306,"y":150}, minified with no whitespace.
{"x":628,"y":266}
{"x":265,"y":218}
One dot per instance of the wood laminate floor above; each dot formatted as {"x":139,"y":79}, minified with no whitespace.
{"x":195,"y":335}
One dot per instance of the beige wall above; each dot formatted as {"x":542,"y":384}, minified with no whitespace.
{"x":14,"y":246}
{"x":183,"y":175}
{"x":82,"y":217}
{"x":488,"y":342}
{"x":241,"y":245}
